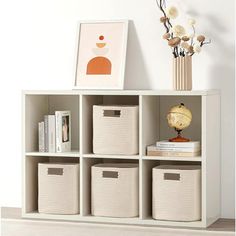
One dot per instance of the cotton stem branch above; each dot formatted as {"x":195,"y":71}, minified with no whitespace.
{"x":160,"y":5}
{"x":167,"y":27}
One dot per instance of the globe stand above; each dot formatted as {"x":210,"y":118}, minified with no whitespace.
{"x":179,"y":138}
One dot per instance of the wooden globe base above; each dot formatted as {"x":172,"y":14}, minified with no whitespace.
{"x":179,"y":138}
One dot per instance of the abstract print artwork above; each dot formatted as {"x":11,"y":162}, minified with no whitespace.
{"x":101,"y":55}
{"x":99,"y":65}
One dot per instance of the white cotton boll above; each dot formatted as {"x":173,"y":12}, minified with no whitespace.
{"x":192,"y":22}
{"x":179,"y":30}
{"x":172,"y":12}
{"x":197,"y":48}
{"x":185,"y":45}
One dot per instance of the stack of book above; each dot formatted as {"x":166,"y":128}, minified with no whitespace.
{"x":54,"y":133}
{"x":175,"y":149}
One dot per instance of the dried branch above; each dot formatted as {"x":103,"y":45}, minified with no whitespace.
{"x":203,"y":43}
{"x":164,"y":3}
{"x":194,"y":32}
{"x":178,"y":49}
{"x":160,"y":6}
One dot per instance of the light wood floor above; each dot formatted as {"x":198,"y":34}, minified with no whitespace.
{"x":13,"y":225}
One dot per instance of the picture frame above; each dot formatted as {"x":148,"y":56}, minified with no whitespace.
{"x":101,"y":54}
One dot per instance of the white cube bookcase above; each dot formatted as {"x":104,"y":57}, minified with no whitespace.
{"x":153,"y":107}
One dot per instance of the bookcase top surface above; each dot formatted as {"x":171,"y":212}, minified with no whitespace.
{"x":122,"y":92}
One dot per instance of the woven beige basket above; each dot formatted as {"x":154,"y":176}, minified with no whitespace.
{"x":115,"y":190}
{"x":115,"y":130}
{"x":176,"y":192}
{"x":58,"y":188}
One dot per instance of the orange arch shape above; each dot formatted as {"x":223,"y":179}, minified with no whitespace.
{"x":99,"y":66}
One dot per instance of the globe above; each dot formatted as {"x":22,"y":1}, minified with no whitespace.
{"x":179,"y":117}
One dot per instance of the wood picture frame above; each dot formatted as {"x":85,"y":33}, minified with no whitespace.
{"x":101,"y":54}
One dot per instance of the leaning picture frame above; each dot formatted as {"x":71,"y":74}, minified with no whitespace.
{"x":101,"y":54}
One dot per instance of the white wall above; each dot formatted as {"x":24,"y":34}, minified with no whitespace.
{"x":37,"y":46}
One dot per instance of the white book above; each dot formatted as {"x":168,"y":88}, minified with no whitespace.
{"x":63,"y":131}
{"x":46,"y":148}
{"x":152,"y":151}
{"x":166,"y":143}
{"x":173,"y":154}
{"x":174,"y":149}
{"x":41,"y":136}
{"x":51,"y":133}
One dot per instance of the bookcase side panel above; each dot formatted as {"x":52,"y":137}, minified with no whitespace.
{"x":149,"y":134}
{"x":86,"y":136}
{"x":87,"y":120}
{"x":212,"y":157}
{"x":147,"y":188}
{"x":86,"y":191}
{"x":140,"y":157}
{"x":150,"y":121}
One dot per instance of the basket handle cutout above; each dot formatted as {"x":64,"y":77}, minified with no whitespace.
{"x":171,"y":176}
{"x":111,"y":113}
{"x":55,"y":171}
{"x":110,"y":174}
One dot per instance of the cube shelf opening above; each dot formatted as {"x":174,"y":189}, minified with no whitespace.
{"x":86,"y":191}
{"x":36,"y":106}
{"x":154,"y":121}
{"x":147,"y":166}
{"x":30,"y":199}
{"x":87,"y":117}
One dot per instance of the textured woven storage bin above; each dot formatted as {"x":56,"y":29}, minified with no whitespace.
{"x":115,"y":130}
{"x":176,"y":192}
{"x":115,"y":190}
{"x":58,"y":188}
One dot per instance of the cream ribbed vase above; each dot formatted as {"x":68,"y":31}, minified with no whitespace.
{"x":182,"y":73}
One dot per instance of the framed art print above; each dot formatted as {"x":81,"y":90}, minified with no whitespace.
{"x":101,"y":55}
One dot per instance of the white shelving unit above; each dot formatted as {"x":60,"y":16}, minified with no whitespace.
{"x":153,"y":107}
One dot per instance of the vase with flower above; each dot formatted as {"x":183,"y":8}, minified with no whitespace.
{"x":183,"y":45}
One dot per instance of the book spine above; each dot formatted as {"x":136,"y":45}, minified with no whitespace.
{"x":58,"y":131}
{"x":51,"y":133}
{"x":173,"y":154}
{"x":46,"y":133}
{"x":177,"y":145}
{"x":41,"y":136}
{"x":176,"y":149}
{"x":68,"y":146}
